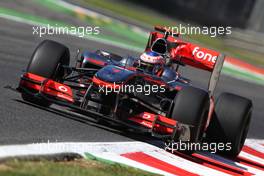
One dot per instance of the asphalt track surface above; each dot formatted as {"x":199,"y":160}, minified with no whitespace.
{"x":21,"y":122}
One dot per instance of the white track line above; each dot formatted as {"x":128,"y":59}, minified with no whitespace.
{"x":186,"y":164}
{"x":251,"y":157}
{"x":235,"y":164}
{"x":256,"y":145}
{"x":113,"y":150}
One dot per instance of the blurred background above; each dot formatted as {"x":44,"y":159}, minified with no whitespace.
{"x":129,"y":21}
{"x":234,"y":13}
{"x":246,"y":17}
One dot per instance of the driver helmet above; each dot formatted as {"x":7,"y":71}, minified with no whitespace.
{"x":151,"y":62}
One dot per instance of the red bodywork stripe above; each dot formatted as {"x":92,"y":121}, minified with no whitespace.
{"x":150,"y":79}
{"x":151,"y":117}
{"x":185,"y":50}
{"x":50,"y":84}
{"x":156,"y":163}
{"x":146,"y":119}
{"x":178,"y":88}
{"x":30,"y":85}
{"x":47,"y":86}
{"x":34,"y":81}
{"x":105,"y":84}
{"x":210,"y":113}
{"x":157,"y":127}
{"x":95,"y":61}
{"x":34,"y":77}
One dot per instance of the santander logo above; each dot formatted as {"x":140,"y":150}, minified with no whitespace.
{"x":203,"y":55}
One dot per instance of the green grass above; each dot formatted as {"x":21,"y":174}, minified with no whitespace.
{"x":151,"y":18}
{"x":67,"y":168}
{"x":121,"y":31}
{"x":148,"y":17}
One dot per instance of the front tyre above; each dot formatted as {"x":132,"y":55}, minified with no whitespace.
{"x":46,"y":61}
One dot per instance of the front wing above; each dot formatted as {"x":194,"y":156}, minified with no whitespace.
{"x":61,"y":94}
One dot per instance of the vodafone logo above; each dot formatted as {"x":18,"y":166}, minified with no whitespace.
{"x":203,"y":56}
{"x":146,"y":116}
{"x":63,"y":89}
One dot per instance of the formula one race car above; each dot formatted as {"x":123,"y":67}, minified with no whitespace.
{"x":145,"y":93}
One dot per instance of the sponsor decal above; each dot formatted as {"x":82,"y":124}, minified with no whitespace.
{"x":202,"y":55}
{"x":146,"y":116}
{"x":63,"y":89}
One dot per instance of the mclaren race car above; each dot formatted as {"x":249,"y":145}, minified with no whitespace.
{"x":146,"y":93}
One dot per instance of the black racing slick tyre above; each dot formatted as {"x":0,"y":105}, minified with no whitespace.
{"x":47,"y":58}
{"x":46,"y":61}
{"x":230,"y":123}
{"x":191,"y":107}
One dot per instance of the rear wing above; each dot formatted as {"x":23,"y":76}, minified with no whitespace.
{"x":188,"y":53}
{"x":166,"y":31}
{"x":216,"y":73}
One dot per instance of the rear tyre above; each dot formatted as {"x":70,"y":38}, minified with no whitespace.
{"x":230,"y":122}
{"x":46,"y":61}
{"x":191,"y":107}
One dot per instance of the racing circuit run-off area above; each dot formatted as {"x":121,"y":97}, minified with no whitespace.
{"x":116,"y":88}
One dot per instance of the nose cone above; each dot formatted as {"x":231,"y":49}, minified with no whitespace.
{"x":113,"y":74}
